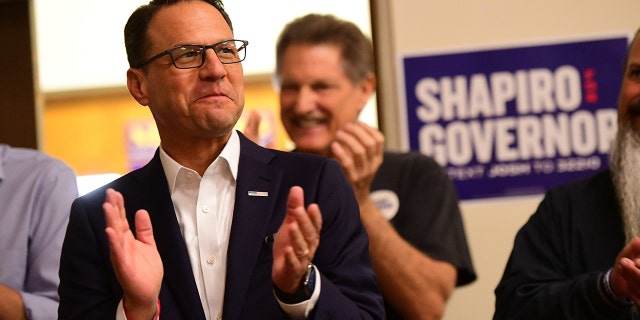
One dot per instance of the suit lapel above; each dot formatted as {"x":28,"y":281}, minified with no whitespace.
{"x":256,"y":195}
{"x":178,"y":275}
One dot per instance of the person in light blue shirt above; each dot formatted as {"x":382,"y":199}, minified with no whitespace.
{"x":36,"y":192}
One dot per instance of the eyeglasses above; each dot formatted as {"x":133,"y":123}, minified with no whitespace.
{"x":188,"y":56}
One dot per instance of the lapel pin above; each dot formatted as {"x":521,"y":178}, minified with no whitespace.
{"x":258,"y":194}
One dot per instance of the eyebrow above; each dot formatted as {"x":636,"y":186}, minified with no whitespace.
{"x":632,"y":65}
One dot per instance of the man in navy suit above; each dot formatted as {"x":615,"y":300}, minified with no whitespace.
{"x":213,"y":226}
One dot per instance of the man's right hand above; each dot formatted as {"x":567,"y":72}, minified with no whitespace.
{"x":136,"y":262}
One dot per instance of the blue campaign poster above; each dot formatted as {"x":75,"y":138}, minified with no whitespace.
{"x":515,"y":120}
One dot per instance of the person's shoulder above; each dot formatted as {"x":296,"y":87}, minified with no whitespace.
{"x":597,"y":180}
{"x":295,"y":163}
{"x":409,"y":157}
{"x":26,"y":154}
{"x":297,"y":156}
{"x":251,"y":149}
{"x":595,"y":188}
{"x":35,"y":160}
{"x":413,"y":162}
{"x":584,"y":200}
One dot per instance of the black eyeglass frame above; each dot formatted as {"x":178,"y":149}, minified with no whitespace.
{"x":245,"y":43}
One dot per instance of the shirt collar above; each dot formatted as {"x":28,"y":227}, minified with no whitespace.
{"x":230,"y":152}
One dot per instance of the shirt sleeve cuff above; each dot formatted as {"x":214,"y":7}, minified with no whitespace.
{"x":122,"y":315}
{"x":301,"y":310}
{"x":120,"y":312}
{"x":604,"y":288}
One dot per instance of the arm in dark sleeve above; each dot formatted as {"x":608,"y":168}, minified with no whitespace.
{"x":555,"y":268}
{"x":87,"y":289}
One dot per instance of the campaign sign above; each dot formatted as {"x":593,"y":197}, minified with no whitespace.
{"x":517,"y":120}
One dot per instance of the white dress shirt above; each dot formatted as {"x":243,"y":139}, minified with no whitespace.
{"x":204,"y":210}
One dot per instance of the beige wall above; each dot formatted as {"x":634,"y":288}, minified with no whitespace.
{"x":404,"y":26}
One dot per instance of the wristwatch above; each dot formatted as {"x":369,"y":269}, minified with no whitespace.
{"x":308,"y":283}
{"x":309,"y":280}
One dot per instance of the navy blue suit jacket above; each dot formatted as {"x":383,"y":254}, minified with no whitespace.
{"x":89,"y":289}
